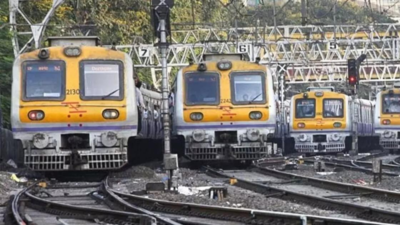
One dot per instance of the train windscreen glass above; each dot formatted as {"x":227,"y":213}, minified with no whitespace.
{"x":248,"y":88}
{"x":101,"y":81}
{"x":202,"y":88}
{"x":44,"y":80}
{"x":391,"y":103}
{"x":305,"y":108}
{"x":333,"y":108}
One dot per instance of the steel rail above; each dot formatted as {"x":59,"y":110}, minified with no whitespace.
{"x":364,"y":212}
{"x":244,"y":215}
{"x":114,"y":200}
{"x":349,"y":165}
{"x":380,"y":194}
{"x":26,"y":199}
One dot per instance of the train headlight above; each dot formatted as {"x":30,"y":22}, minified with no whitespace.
{"x":335,"y":137}
{"x":72,"y":51}
{"x":199,"y":135}
{"x":302,"y":137}
{"x":202,"y":67}
{"x":110,"y":114}
{"x":36,"y":115}
{"x":386,"y":122}
{"x":255,"y":115}
{"x":224,"y":65}
{"x":301,"y":125}
{"x":319,"y":94}
{"x":44,"y":54}
{"x":40,"y":140}
{"x":109,"y":139}
{"x":196,"y":116}
{"x":253,"y":134}
{"x":337,"y":124}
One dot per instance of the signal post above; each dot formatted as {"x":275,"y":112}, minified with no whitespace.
{"x":353,"y":77}
{"x":160,"y":20}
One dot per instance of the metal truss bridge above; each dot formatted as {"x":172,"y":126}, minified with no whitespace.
{"x":313,"y":53}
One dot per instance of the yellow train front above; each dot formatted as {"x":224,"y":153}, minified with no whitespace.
{"x":73,"y":106}
{"x":321,"y":121}
{"x":223,"y":109}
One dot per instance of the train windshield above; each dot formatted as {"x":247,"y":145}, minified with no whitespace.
{"x":305,"y":108}
{"x":391,"y":103}
{"x":202,"y":88}
{"x":44,"y":80}
{"x":101,"y":80}
{"x":333,"y":108}
{"x":248,"y":88}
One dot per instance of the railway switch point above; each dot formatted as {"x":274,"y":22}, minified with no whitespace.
{"x":319,"y":166}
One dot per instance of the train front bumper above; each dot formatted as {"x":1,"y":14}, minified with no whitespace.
{"x":250,"y":144}
{"x":83,"y":151}
{"x":389,"y":139}
{"x":315,"y":143}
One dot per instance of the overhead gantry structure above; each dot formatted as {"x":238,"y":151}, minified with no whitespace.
{"x":312,"y":53}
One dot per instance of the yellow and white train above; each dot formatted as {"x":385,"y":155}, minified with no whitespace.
{"x":223,"y":109}
{"x":321,"y":121}
{"x":73,"y":106}
{"x":387,"y":118}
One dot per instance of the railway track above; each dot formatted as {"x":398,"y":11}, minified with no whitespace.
{"x":303,"y":194}
{"x":100,"y":203}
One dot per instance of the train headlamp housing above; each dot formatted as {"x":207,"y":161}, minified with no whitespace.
{"x":44,"y":53}
{"x":198,"y":135}
{"x":196,"y":116}
{"x":110,"y":114}
{"x":253,"y":134}
{"x":337,"y":125}
{"x":319,"y":94}
{"x":386,"y":122}
{"x":224,"y":65}
{"x":72,"y":51}
{"x":40,"y":140}
{"x":301,"y":125}
{"x":335,"y":137}
{"x":202,"y":67}
{"x":255,"y":115}
{"x":109,"y":139}
{"x":303,"y":137}
{"x":305,"y":95}
{"x":388,"y":134}
{"x":36,"y":115}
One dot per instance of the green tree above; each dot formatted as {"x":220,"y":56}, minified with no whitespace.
{"x":6,"y":60}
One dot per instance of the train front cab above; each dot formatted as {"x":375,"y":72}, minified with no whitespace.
{"x":387,"y":119}
{"x":215,"y":116}
{"x":73,"y":107}
{"x":319,"y":122}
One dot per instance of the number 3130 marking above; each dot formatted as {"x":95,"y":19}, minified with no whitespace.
{"x":72,"y":91}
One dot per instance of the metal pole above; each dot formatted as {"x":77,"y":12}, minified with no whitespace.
{"x":283,"y":122}
{"x":334,"y":23}
{"x":165,"y":88}
{"x":275,"y":20}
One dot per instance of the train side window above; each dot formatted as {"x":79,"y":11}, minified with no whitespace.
{"x":305,"y":108}
{"x":101,"y":80}
{"x":333,"y":108}
{"x":43,"y":80}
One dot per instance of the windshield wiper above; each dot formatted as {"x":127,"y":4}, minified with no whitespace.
{"x":255,"y":98}
{"x":105,"y":96}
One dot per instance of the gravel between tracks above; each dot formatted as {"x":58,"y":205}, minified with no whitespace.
{"x":237,"y":197}
{"x":349,"y":176}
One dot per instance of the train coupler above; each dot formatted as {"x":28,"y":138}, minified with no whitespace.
{"x":77,"y":160}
